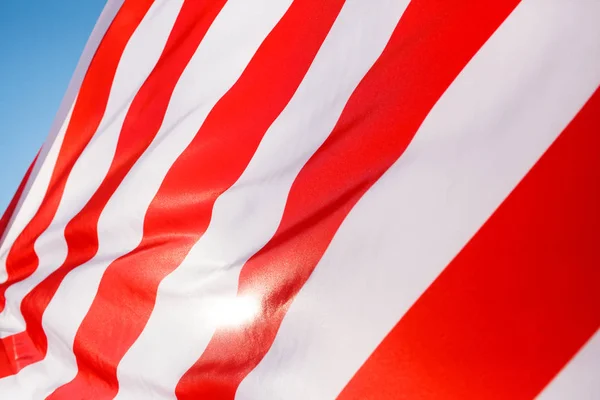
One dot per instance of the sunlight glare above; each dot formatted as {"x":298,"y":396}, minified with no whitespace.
{"x":234,"y":312}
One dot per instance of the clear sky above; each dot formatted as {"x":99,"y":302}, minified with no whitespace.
{"x":40,"y":44}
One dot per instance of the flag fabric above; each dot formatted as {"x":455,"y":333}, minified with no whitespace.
{"x":309,"y":199}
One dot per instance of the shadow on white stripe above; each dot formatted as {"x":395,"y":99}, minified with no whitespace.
{"x":465,"y":159}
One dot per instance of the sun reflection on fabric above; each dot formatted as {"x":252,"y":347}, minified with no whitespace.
{"x":234,"y":312}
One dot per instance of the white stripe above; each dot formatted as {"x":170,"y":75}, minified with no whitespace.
{"x":30,"y":202}
{"x":106,"y":17}
{"x":246,"y":216}
{"x":489,"y":128}
{"x":240,"y":28}
{"x":38,"y":181}
{"x":580,"y":379}
{"x":138,"y":60}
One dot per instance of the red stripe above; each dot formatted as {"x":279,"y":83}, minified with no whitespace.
{"x":212,"y":163}
{"x":87,"y":114}
{"x":10,"y":210}
{"x":90,"y":105}
{"x":140,"y":126}
{"x":432,"y":43}
{"x":7,"y":360}
{"x":518,"y":301}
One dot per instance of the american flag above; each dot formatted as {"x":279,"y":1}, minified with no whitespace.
{"x":314,"y":199}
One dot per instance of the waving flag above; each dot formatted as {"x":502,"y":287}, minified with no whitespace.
{"x":309,"y":199}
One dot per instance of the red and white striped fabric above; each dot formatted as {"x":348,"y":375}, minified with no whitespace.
{"x":308,"y":199}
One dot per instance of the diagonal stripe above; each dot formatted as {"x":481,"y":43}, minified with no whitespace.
{"x":183,"y":319}
{"x":139,"y":128}
{"x":10,"y":210}
{"x":135,"y":65}
{"x":6,"y":361}
{"x":19,"y":351}
{"x":34,"y":191}
{"x":137,"y":62}
{"x":213,"y":161}
{"x":371,"y":134}
{"x":418,"y":216}
{"x":36,"y":186}
{"x":579,"y":378}
{"x":22,"y":259}
{"x":518,"y":301}
{"x":120,"y":225}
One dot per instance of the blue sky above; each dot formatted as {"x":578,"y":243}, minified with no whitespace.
{"x":40,"y":44}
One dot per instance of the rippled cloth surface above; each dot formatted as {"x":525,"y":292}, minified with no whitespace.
{"x":309,"y":199}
